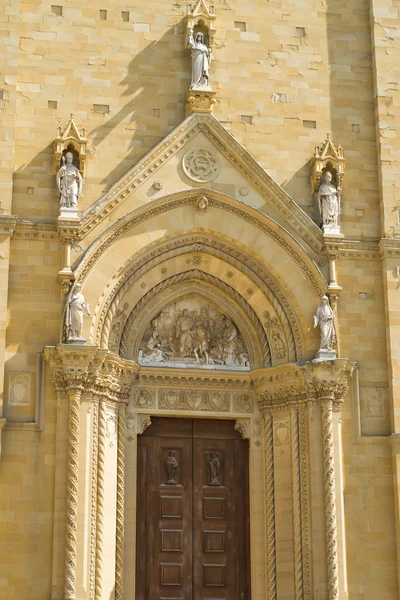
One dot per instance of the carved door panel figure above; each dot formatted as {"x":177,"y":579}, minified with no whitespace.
{"x":192,"y":515}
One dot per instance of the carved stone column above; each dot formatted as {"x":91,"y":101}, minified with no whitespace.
{"x":100,"y":501}
{"x":270,"y":504}
{"x":330,"y":497}
{"x":296,"y":501}
{"x":119,"y":556}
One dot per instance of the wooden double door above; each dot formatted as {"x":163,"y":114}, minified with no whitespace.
{"x":192,"y":512}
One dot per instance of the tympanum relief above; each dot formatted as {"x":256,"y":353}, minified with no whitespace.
{"x":193,"y":334}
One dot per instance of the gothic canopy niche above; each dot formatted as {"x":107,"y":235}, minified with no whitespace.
{"x":191,"y":332}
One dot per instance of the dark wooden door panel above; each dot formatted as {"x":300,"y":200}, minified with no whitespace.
{"x":164,"y":544}
{"x":192,"y":532}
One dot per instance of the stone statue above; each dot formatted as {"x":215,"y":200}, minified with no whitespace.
{"x":325,"y":319}
{"x":214,"y":468}
{"x":171,"y":465}
{"x":201,"y":60}
{"x":153,"y":351}
{"x":328,"y":201}
{"x":184,"y":333}
{"x":76,"y":308}
{"x":69,"y":182}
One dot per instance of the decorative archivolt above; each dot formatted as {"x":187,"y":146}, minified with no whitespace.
{"x":108,"y":312}
{"x":224,"y":203}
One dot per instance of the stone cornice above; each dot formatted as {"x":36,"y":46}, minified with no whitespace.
{"x":389,"y":248}
{"x":7,"y":224}
{"x":35,"y":230}
{"x":288,"y":385}
{"x":199,"y":377}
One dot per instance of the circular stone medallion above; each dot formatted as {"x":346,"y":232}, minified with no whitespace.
{"x":201,"y":165}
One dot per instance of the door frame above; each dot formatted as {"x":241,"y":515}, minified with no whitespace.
{"x":249,"y":425}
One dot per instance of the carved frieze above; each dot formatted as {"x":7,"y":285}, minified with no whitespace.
{"x":173,"y":399}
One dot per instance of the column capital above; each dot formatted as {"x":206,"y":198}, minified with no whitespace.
{"x":291,"y":385}
{"x":90,"y":369}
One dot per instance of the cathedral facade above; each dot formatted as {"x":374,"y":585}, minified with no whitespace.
{"x":200,"y":273}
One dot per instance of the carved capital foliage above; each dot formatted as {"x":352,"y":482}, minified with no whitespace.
{"x":291,"y":385}
{"x":91,"y":370}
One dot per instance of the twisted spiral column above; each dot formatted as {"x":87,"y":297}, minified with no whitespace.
{"x":93,"y":515}
{"x":119,"y":555}
{"x":298,"y":558}
{"x":330,"y":499}
{"x":304,"y":497}
{"x":270,"y":506}
{"x":74,"y":396}
{"x":100,"y":501}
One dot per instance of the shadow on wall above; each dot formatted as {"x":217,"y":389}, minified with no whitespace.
{"x":156,"y":82}
{"x":299,"y":188}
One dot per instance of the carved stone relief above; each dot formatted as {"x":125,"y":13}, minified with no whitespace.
{"x":201,"y":165}
{"x":19,"y":388}
{"x":143,"y":398}
{"x":276,"y":337}
{"x":173,"y":399}
{"x":281,"y":433}
{"x":374,"y":414}
{"x":117,"y":323}
{"x":243,"y":403}
{"x":111,"y":429}
{"x":192,"y":333}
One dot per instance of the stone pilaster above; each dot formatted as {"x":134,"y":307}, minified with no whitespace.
{"x":88,"y":373}
{"x":285,"y":395}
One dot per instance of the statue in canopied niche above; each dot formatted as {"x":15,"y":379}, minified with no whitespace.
{"x":328,"y":201}
{"x":69,"y":182}
{"x":201,"y":61}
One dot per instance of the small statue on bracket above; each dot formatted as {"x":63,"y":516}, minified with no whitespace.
{"x":76,"y":308}
{"x":325,"y":319}
{"x":69,"y":182}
